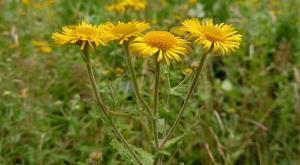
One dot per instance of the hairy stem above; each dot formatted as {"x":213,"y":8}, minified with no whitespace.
{"x":103,"y":108}
{"x":155,"y":106}
{"x":187,"y":98}
{"x":134,"y":80}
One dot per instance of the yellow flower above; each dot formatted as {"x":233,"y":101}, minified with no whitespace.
{"x":105,"y":71}
{"x":119,"y":71}
{"x":192,"y":2}
{"x":45,"y":49}
{"x":13,"y":46}
{"x":121,"y":5}
{"x":26,"y":2}
{"x":42,"y":46}
{"x":187,"y":70}
{"x":39,"y":43}
{"x":154,"y":21}
{"x":123,"y":32}
{"x":37,"y":5}
{"x":116,"y":8}
{"x":221,"y":38}
{"x":50,"y":2}
{"x":86,"y":35}
{"x":161,"y":43}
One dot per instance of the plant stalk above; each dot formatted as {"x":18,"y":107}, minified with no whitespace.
{"x":134,"y":80}
{"x":155,"y":107}
{"x":103,"y":108}
{"x":187,"y":98}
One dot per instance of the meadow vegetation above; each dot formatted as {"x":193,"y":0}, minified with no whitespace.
{"x":245,"y":108}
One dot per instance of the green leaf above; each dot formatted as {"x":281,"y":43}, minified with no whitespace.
{"x":179,"y":90}
{"x":164,"y":152}
{"x":172,"y":142}
{"x":145,"y":157}
{"x":182,"y":88}
{"x":168,"y":116}
{"x":123,"y":152}
{"x":160,"y":125}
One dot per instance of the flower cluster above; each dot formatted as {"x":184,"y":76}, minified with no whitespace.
{"x":219,"y":38}
{"x":122,"y":5}
{"x":161,"y":46}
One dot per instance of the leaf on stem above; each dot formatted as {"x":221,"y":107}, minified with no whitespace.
{"x":172,"y":142}
{"x":123,"y":152}
{"x":145,"y":157}
{"x":182,"y":88}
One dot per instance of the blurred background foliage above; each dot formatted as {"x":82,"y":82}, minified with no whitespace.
{"x":246,"y":109}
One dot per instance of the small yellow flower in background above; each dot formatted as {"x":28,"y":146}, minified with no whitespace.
{"x":116,"y":8}
{"x":105,"y":71}
{"x":164,"y":44}
{"x":86,"y":35}
{"x":122,"y":5}
{"x":50,"y":2}
{"x":45,"y":49}
{"x":23,"y":13}
{"x":154,"y":21}
{"x":192,"y":2}
{"x":42,"y":46}
{"x":39,"y":43}
{"x":177,"y":17}
{"x":188,"y":70}
{"x":221,"y":38}
{"x":37,"y":5}
{"x":13,"y":46}
{"x":25,"y":2}
{"x":231,"y":110}
{"x":119,"y":71}
{"x":123,"y":32}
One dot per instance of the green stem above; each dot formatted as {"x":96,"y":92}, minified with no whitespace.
{"x":160,"y":158}
{"x":103,"y":108}
{"x":135,"y":82}
{"x":187,"y":97}
{"x":138,"y":95}
{"x":155,"y":106}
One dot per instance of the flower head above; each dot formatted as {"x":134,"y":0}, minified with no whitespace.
{"x":42,"y":46}
{"x":86,"y":35}
{"x":164,"y":44}
{"x":121,"y":5}
{"x":123,"y":32}
{"x":221,"y":38}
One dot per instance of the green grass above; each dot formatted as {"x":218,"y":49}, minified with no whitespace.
{"x":246,"y":109}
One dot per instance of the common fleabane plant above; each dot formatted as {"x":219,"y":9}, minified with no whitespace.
{"x":164,"y":48}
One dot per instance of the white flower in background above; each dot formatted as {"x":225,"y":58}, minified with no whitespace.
{"x":197,"y":11}
{"x":226,"y":85}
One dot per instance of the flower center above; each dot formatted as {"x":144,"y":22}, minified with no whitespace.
{"x":124,"y":29}
{"x":213,"y":34}
{"x":160,"y":39}
{"x":85,"y":33}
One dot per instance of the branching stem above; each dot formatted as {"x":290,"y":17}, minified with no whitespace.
{"x":103,"y":108}
{"x":187,"y":98}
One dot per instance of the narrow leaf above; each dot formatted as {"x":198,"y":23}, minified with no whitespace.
{"x":173,"y":141}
